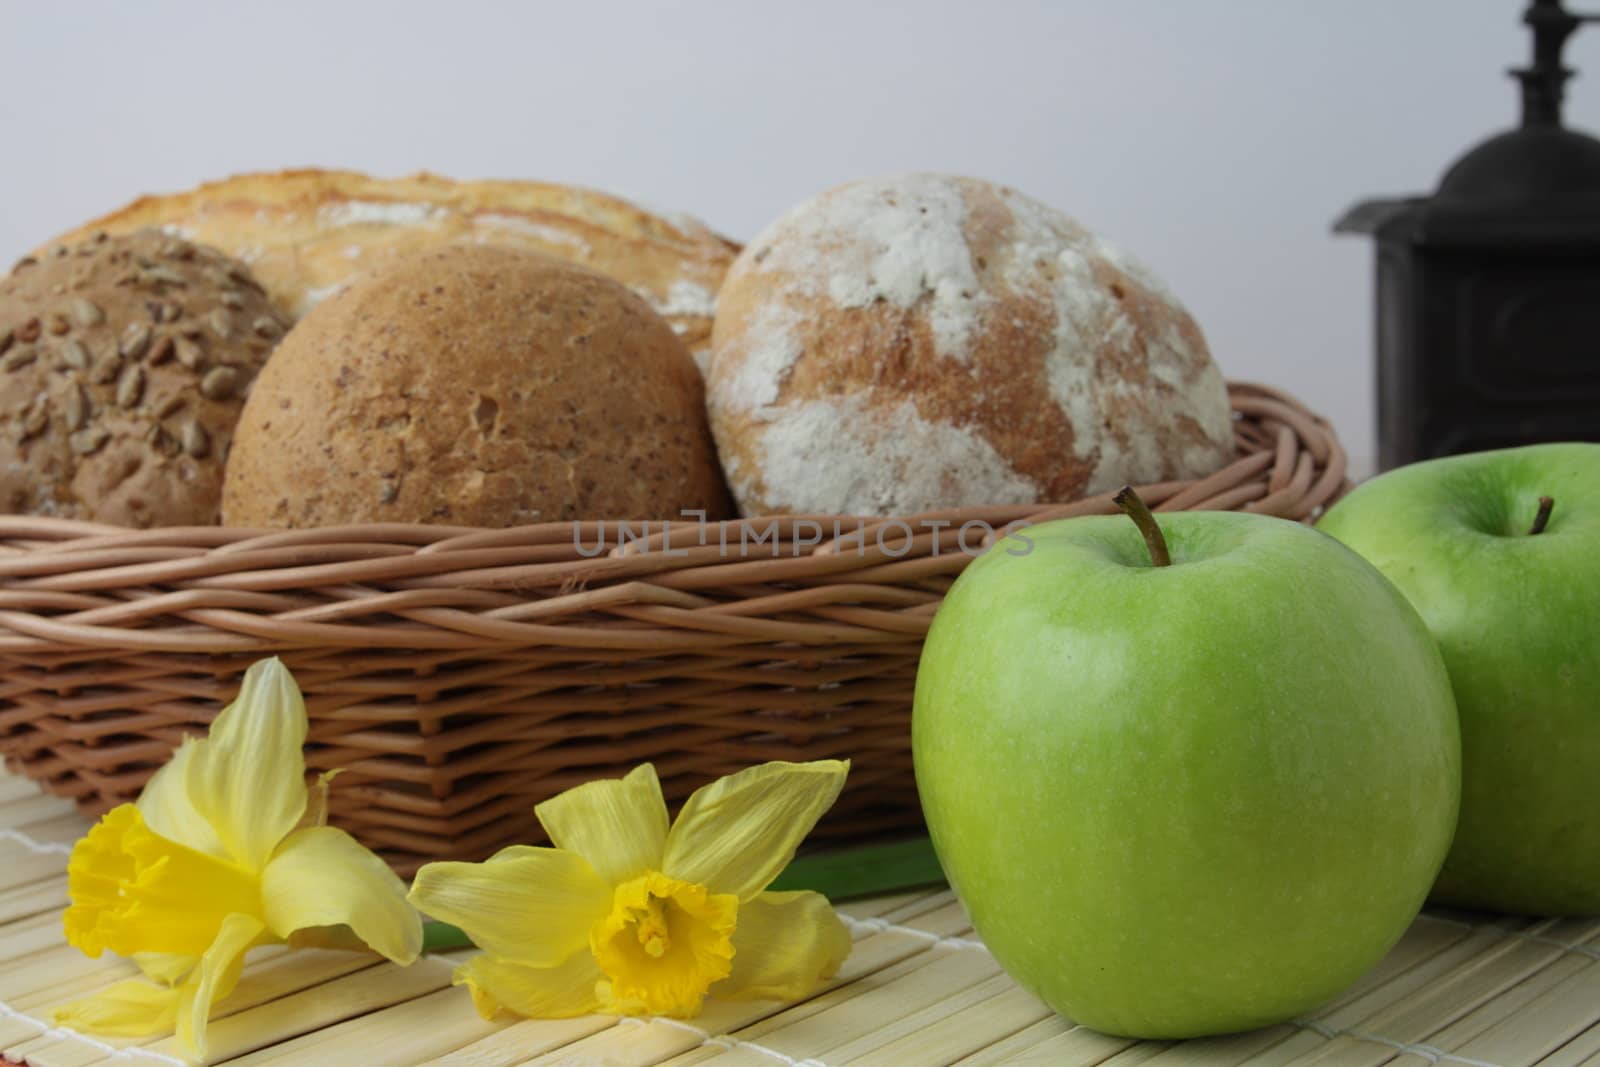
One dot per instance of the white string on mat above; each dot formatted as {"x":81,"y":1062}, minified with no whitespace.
{"x":112,"y":1052}
{"x":726,"y":1042}
{"x":43,"y":847}
{"x":882,"y":926}
{"x":1431,"y":1053}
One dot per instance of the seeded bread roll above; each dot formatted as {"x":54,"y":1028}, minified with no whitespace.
{"x":305,"y":233}
{"x":478,"y":386}
{"x":923,"y":342}
{"x":123,"y":366}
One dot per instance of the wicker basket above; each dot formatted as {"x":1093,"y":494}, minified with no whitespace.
{"x":459,"y":676}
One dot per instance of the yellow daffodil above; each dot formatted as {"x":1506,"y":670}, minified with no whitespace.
{"x":628,"y":916}
{"x":224,"y":851}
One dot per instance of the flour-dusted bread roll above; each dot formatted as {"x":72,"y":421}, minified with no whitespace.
{"x":476,"y":386}
{"x":123,"y":365}
{"x":917,"y":342}
{"x":306,"y":233}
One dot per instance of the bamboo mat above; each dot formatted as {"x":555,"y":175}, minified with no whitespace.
{"x":918,"y":989}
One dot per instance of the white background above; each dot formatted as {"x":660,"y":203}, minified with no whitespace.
{"x":1216,"y":139}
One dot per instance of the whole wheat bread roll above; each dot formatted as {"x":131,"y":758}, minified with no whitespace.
{"x":124,"y":362}
{"x":306,"y":233}
{"x":923,"y":342}
{"x":476,"y":386}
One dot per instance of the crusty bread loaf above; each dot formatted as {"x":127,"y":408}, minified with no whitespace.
{"x":478,"y":386}
{"x":305,"y":233}
{"x":123,"y":365}
{"x":920,"y":342}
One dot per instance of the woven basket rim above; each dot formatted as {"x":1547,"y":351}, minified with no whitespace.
{"x":74,"y":585}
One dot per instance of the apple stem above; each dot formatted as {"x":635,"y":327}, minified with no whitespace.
{"x":1541,"y":520}
{"x":1137,"y":510}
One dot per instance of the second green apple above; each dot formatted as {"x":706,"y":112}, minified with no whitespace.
{"x":1513,"y":598}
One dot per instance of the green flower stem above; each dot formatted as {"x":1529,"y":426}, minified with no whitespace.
{"x":839,"y":874}
{"x":441,"y":937}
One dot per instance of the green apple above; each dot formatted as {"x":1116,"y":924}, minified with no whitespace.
{"x":1191,"y":798}
{"x":1517,"y":616}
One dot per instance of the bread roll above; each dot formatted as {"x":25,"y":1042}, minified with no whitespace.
{"x":123,"y":365}
{"x":478,"y":386}
{"x":923,"y":342}
{"x":305,"y":233}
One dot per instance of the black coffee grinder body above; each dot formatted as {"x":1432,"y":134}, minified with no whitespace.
{"x":1488,"y":292}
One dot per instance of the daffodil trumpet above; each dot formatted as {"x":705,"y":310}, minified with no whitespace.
{"x":225,"y":850}
{"x":631,"y":914}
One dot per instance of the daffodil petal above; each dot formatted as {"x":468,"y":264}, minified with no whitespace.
{"x":738,"y":833}
{"x":785,"y":946}
{"x":134,"y":1008}
{"x":321,"y":876}
{"x":617,"y":824}
{"x":168,"y":968}
{"x":533,"y":905}
{"x":558,"y":992}
{"x":167,"y":809}
{"x":214,"y":979}
{"x":248,"y":780}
